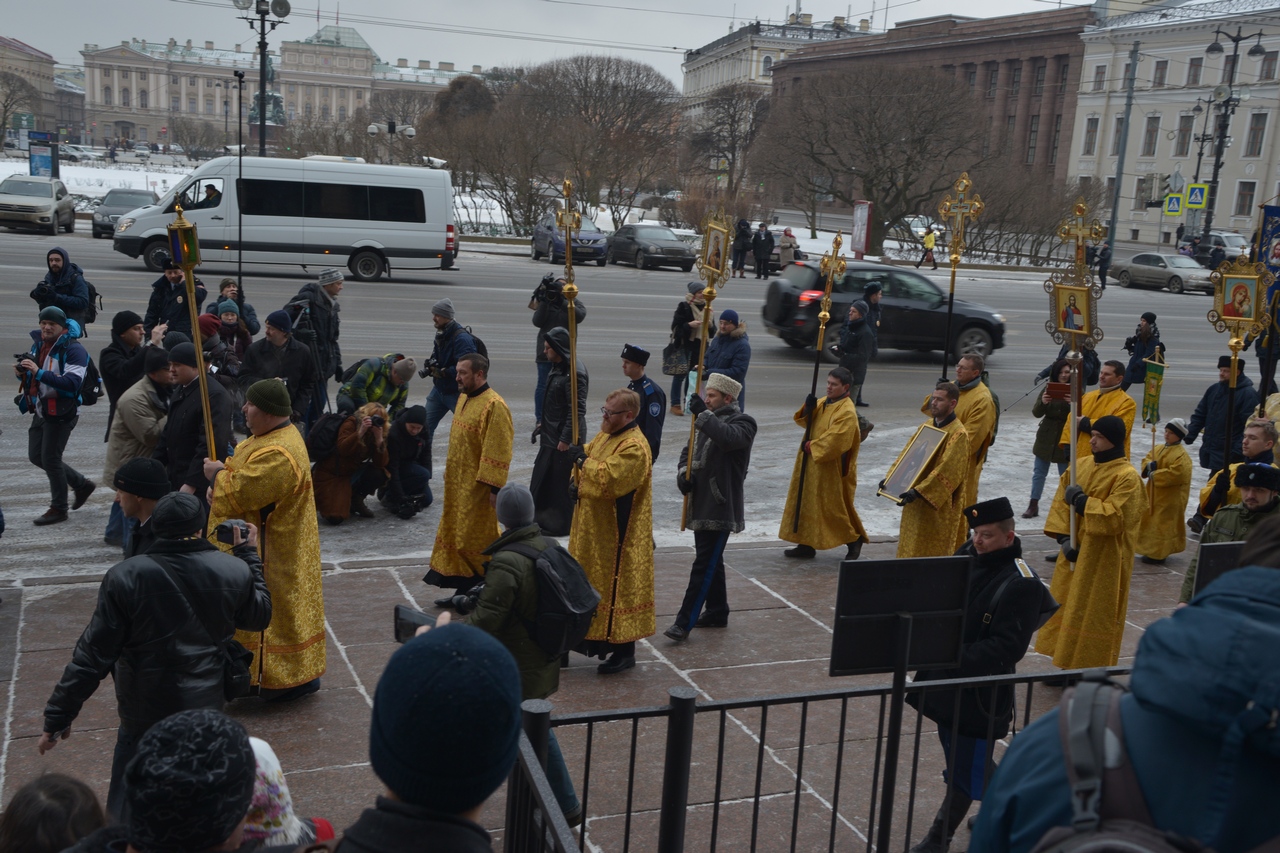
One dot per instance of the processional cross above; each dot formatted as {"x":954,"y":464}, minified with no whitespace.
{"x":1080,"y":230}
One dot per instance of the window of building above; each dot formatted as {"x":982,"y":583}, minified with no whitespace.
{"x":1033,"y":136}
{"x":324,"y":93}
{"x":1090,"y":137}
{"x":1016,"y":82}
{"x":324,"y":112}
{"x":1182,"y":142}
{"x":1195,"y":68}
{"x":1115,"y":137}
{"x":1038,"y":87}
{"x":993,"y":80}
{"x":1064,"y":71}
{"x":342,"y":113}
{"x":1084,"y":183}
{"x":360,"y":94}
{"x":175,"y":103}
{"x":342,"y":94}
{"x":191,"y":81}
{"x":173,"y":79}
{"x":1161,"y":74}
{"x":293,"y":88}
{"x":191,"y":105}
{"x":1107,"y":201}
{"x":1151,"y":136}
{"x":1245,"y":192}
{"x":142,"y":76}
{"x":325,"y":60}
{"x":306,"y":110}
{"x":293,"y":111}
{"x":106,"y":96}
{"x":124,"y":73}
{"x":1057,"y":137}
{"x":766,"y":65}
{"x":973,"y":79}
{"x":1125,"y":75}
{"x":107,"y":72}
{"x":1099,"y":77}
{"x":1257,"y":131}
{"x":1228,"y":69}
{"x":1267,"y":70}
{"x":1140,"y":191}
{"x":142,"y":99}
{"x":208,"y":106}
{"x":125,"y":98}
{"x":986,"y":140}
{"x":1010,"y":123}
{"x":142,"y":134}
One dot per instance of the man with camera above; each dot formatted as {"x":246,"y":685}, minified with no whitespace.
{"x":63,"y":286}
{"x":51,"y":374}
{"x":280,"y":355}
{"x":268,"y":483}
{"x":160,"y":628}
{"x":313,"y":315}
{"x":549,"y":311}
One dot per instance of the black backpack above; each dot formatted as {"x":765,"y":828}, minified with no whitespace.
{"x":91,"y":386}
{"x":322,"y":440}
{"x":480,"y":347}
{"x":95,"y":303}
{"x":566,"y":600}
{"x":1110,"y":814}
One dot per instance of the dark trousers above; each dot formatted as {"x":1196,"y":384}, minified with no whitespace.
{"x":970,"y":763}
{"x":739,"y":259}
{"x":762,"y":267}
{"x":540,"y":388}
{"x":46,"y":439}
{"x":126,"y":745}
{"x":367,"y":480}
{"x":706,"y":580}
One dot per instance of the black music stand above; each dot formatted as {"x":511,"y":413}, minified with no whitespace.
{"x":1215,"y":559}
{"x":894,"y":616}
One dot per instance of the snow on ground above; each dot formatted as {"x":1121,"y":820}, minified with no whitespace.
{"x":95,"y":181}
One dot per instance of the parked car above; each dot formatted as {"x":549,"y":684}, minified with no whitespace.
{"x":115,"y":204}
{"x":142,"y":151}
{"x":77,"y":153}
{"x":913,"y":310}
{"x":39,"y":203}
{"x":911,"y":227}
{"x":1149,"y":269}
{"x":649,"y":246}
{"x":1232,"y":243}
{"x":589,"y":244}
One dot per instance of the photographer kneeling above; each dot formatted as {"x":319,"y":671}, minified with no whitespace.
{"x":409,"y":464}
{"x":505,"y":603}
{"x":549,"y":311}
{"x":356,"y":468}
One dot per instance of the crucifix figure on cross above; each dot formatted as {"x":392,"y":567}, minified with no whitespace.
{"x":1081,"y":231}
{"x":570,"y":221}
{"x":958,"y":212}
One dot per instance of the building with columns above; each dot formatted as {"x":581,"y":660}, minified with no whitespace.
{"x":37,"y":68}
{"x":1024,"y":68}
{"x":1178,"y":93}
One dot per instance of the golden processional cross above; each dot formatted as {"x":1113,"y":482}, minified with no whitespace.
{"x":1080,"y":230}
{"x":957,"y":212}
{"x":571,"y":221}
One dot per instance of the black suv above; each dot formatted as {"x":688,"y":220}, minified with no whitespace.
{"x":913,"y":310}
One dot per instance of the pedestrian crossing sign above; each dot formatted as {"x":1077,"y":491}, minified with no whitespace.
{"x":1197,"y":196}
{"x":1173,"y":204}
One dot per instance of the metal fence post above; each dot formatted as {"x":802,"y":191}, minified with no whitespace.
{"x":675,"y":771}
{"x":522,"y":835}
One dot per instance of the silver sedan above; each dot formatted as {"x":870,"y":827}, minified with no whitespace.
{"x":1149,"y":269}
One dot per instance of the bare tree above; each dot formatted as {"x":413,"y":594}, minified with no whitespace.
{"x":16,"y":95}
{"x":465,"y":96}
{"x":864,"y":134}
{"x":508,"y":149}
{"x":729,"y":125}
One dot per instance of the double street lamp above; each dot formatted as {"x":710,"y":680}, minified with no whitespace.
{"x":392,"y":130}
{"x":262,"y":8}
{"x":1226,"y":99}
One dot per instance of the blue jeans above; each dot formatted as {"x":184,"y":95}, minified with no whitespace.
{"x":1040,"y":474}
{"x":558,"y":775}
{"x":437,"y":404}
{"x":118,"y":526}
{"x":544,"y":371}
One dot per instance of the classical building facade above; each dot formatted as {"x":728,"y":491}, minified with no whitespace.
{"x":135,"y":88}
{"x":1178,"y":93}
{"x":1025,"y":69}
{"x":37,"y":68}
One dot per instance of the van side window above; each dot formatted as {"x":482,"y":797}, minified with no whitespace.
{"x":396,"y":204}
{"x":337,"y":201}
{"x":271,"y":198}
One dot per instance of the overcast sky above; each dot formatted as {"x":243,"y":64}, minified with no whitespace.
{"x":466,"y":32}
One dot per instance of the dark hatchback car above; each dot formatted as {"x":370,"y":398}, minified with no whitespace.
{"x":650,"y":246}
{"x":115,"y":204}
{"x":913,"y":310}
{"x":589,"y":244}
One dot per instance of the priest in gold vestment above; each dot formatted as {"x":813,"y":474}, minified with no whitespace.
{"x":827,"y":516}
{"x":1107,"y":399}
{"x":267,"y":482}
{"x":612,"y":534}
{"x":1109,"y":501}
{"x":1167,"y":469}
{"x":933,"y":508}
{"x":480,"y":443}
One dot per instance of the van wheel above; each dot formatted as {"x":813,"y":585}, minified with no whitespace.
{"x":154,"y":254}
{"x":366,"y":266}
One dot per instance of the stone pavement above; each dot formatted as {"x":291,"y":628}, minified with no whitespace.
{"x":778,"y":642}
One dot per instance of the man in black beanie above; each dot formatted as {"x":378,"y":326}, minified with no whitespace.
{"x":140,"y":484}
{"x":159,"y":628}
{"x":1210,"y":417}
{"x":408,"y":489}
{"x":1006,"y":603}
{"x":282,"y":356}
{"x":121,"y":361}
{"x":182,"y":444}
{"x":135,"y":431}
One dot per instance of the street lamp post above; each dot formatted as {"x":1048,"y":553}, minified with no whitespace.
{"x":391,"y":129}
{"x":261,"y":8}
{"x":1226,"y":106}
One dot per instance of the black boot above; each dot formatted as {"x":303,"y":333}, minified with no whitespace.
{"x":950,"y":815}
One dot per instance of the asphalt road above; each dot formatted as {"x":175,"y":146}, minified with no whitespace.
{"x":491,"y":292}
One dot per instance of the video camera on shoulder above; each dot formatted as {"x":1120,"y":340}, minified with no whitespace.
{"x":549,"y":289}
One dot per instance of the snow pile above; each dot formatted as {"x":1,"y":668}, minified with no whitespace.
{"x":95,"y":181}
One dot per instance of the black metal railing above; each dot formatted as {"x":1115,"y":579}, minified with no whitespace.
{"x":534,"y":822}
{"x":799,"y":771}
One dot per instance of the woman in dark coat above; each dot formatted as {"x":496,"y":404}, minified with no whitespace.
{"x":741,"y":248}
{"x":1052,"y":414}
{"x":409,"y":464}
{"x":356,"y":468}
{"x":686,"y":329}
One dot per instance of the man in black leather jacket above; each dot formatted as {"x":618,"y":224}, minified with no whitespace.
{"x":148,"y":631}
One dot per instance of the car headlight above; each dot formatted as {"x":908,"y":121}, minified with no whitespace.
{"x":653,"y":249}
{"x":999,"y":317}
{"x":99,"y":217}
{"x":124,"y":224}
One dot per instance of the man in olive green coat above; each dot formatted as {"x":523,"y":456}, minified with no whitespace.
{"x":1259,"y":486}
{"x":505,"y":603}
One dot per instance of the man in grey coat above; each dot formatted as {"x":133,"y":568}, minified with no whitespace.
{"x":721,"y":455}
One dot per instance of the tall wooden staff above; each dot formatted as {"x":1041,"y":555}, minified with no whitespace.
{"x":570,"y":221}
{"x":184,"y":247}
{"x":958,"y":211}
{"x":713,"y":268}
{"x":1083,"y":331}
{"x":833,"y":264}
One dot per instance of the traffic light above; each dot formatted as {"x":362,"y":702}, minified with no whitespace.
{"x":1166,"y":185}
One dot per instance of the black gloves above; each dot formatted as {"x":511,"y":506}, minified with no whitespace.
{"x":577,"y":454}
{"x":1075,"y":497}
{"x":573,"y":491}
{"x":684,"y":484}
{"x":1072,"y":554}
{"x":533,"y":436}
{"x":697,"y":405}
{"x":908,"y":496}
{"x":810,"y":403}
{"x":1146,"y":469}
{"x":337,"y":373}
{"x":1084,"y":426}
{"x":880,"y":486}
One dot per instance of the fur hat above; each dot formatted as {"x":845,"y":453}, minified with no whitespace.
{"x":634,"y":353}
{"x":1258,"y":475}
{"x":988,"y":512}
{"x":724,"y":385}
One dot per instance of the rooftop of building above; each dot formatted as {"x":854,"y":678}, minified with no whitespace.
{"x":22,"y":47}
{"x":172,"y":51}
{"x":336,"y":36}
{"x":1175,"y":13}
{"x":796,"y":30}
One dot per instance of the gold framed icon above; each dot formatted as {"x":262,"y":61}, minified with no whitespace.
{"x":1240,"y":297}
{"x":909,"y":467}
{"x":715,"y":247}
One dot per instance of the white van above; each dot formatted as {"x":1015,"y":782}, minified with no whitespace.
{"x":308,"y":212}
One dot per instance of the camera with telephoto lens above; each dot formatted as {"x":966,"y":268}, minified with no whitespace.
{"x":466,"y":602}
{"x":548,"y":289}
{"x":431,"y":366}
{"x":225,"y":531}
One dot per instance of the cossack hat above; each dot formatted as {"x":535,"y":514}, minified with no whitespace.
{"x":1258,"y":475}
{"x":634,"y":353}
{"x":724,"y":385}
{"x":988,"y":512}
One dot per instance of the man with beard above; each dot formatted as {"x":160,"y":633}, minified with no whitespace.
{"x":1107,"y":399}
{"x":551,"y":470}
{"x":613,"y":532}
{"x":1004,"y":607}
{"x":280,"y":355}
{"x":182,"y":446}
{"x":1092,"y":579}
{"x":721,"y":455}
{"x":63,"y":286}
{"x":476,"y":469}
{"x":451,"y":344}
{"x":1259,"y":487}
{"x":931,"y":509}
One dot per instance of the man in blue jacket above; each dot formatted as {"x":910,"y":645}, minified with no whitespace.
{"x":452,"y":343}
{"x":729,"y":353}
{"x":1198,"y":727}
{"x":1211,"y":414}
{"x":51,"y":375}
{"x":63,"y":286}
